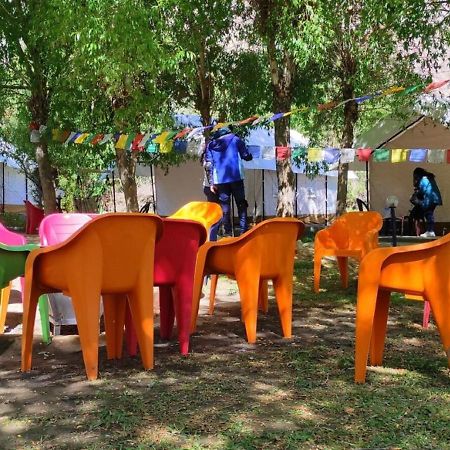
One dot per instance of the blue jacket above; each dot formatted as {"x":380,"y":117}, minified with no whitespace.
{"x":429,"y":191}
{"x":223,"y":159}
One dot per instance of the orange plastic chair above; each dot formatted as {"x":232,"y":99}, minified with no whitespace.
{"x":265,"y":252}
{"x":351,"y":235}
{"x":112,"y":254}
{"x":419,"y":270}
{"x":207,"y":213}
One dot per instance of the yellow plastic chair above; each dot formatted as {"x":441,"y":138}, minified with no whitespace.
{"x":207,"y":213}
{"x":419,"y":270}
{"x":111,"y":255}
{"x":352,"y":235}
{"x":265,"y":252}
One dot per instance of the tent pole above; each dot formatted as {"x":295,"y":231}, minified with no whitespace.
{"x":367,"y":184}
{"x":3,"y":187}
{"x":26,"y":187}
{"x":262,"y":182}
{"x":326,"y":200}
{"x":296,"y":193}
{"x":153,"y":189}
{"x":114,"y":189}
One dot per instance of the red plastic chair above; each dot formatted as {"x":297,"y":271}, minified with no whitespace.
{"x":175,"y":258}
{"x":34,"y":217}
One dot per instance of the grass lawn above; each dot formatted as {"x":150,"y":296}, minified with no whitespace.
{"x":277,"y":394}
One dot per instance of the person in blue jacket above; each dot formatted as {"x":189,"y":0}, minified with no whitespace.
{"x":428,"y":197}
{"x":223,"y":165}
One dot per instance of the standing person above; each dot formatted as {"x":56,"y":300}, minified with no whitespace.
{"x":428,"y":197}
{"x":211,"y":197}
{"x":223,"y":165}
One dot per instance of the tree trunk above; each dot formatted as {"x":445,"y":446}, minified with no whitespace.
{"x":46,"y":178}
{"x":350,"y":118}
{"x":39,"y":107}
{"x":285,"y":175}
{"x":126,"y":163}
{"x":205,"y":86}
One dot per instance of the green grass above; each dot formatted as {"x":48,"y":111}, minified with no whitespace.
{"x":279,"y":394}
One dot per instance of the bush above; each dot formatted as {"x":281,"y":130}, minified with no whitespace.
{"x":14,"y":221}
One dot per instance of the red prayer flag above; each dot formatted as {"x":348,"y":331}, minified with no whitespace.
{"x":364,"y":154}
{"x":435,"y":85}
{"x":182,"y":133}
{"x":282,"y":153}
{"x":136,"y":142}
{"x":97,"y":139}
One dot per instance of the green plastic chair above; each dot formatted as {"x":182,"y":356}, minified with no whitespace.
{"x":12,"y":265}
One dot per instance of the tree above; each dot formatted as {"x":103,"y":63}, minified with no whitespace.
{"x":289,"y":33}
{"x":33,"y":63}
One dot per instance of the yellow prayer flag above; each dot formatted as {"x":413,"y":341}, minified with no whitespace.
{"x":120,"y":144}
{"x":81,"y":138}
{"x":315,"y":154}
{"x":399,"y":155}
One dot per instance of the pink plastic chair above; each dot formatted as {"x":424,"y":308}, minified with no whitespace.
{"x":175,"y":258}
{"x":56,"y":228}
{"x":34,"y":217}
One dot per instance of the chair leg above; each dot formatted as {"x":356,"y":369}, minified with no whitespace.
{"x":30,"y":301}
{"x":114,"y":315}
{"x":263,"y":296}
{"x":317,"y":270}
{"x":379,"y":328}
{"x":166,"y":312}
{"x":183,"y":311}
{"x":365,"y":313}
{"x":45,"y":324}
{"x":283,"y":293}
{"x":141,"y":306}
{"x":4,"y":302}
{"x":212,"y":293}
{"x":426,"y":314}
{"x":439,"y":309}
{"x":130,"y":333}
{"x":248,"y":290}
{"x":86,"y":304}
{"x":343,"y":269}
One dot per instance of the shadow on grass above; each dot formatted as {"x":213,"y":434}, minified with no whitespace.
{"x":277,"y":394}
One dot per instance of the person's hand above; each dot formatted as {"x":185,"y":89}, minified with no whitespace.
{"x":213,"y":189}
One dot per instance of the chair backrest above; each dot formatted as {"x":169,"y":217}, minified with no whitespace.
{"x":272,"y":241}
{"x":56,"y":228}
{"x":207,"y":213}
{"x":176,"y":251}
{"x":11,"y":238}
{"x":34,"y":217}
{"x":112,"y":249}
{"x":351,"y":228}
